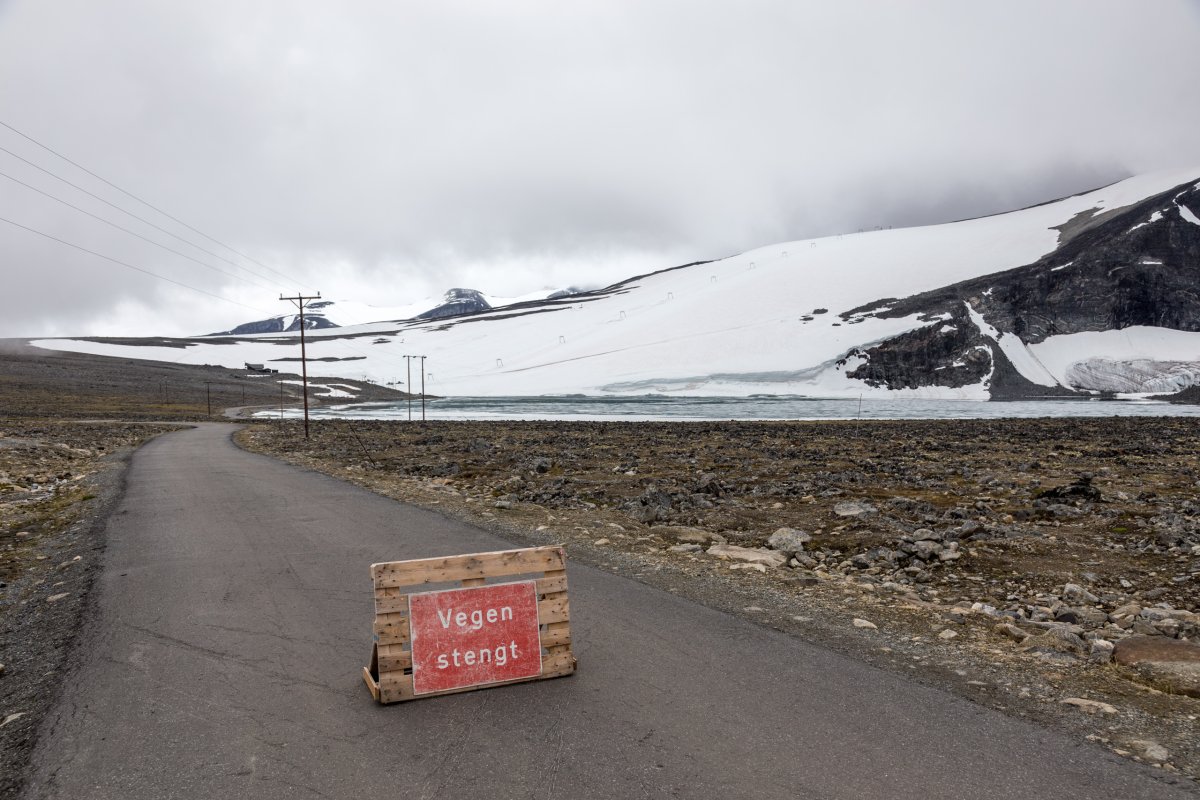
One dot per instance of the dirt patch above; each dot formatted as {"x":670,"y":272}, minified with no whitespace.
{"x":997,"y":559}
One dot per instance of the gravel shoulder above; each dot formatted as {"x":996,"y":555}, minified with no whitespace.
{"x":1000,"y":560}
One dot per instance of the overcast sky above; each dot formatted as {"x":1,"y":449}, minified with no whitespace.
{"x":383,"y":151}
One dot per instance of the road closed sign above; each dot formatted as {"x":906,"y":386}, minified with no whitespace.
{"x":474,"y":636}
{"x":493,"y":619}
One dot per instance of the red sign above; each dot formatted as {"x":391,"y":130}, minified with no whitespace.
{"x":474,"y":636}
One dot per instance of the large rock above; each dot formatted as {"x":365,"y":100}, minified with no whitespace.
{"x":1074,"y":593}
{"x":1056,"y":646}
{"x":690,"y":535}
{"x":752,"y":555}
{"x":1172,"y":665}
{"x":789,"y":540}
{"x":853,"y":509}
{"x":926,"y":550}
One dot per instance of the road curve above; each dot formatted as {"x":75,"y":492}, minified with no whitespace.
{"x":233,"y":618}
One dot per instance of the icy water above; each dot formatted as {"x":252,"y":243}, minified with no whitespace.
{"x":663,"y":408}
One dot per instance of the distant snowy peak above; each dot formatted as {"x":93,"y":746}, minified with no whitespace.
{"x":314,"y":319}
{"x":457,"y":302}
{"x":324,"y":314}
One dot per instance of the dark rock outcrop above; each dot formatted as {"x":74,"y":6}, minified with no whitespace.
{"x":314,"y":319}
{"x":458,"y":302}
{"x":1137,"y":265}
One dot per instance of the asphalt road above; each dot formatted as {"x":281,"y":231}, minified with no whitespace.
{"x":233,"y":619}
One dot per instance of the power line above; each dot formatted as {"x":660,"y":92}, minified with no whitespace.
{"x":126,"y":212}
{"x":130,"y":266}
{"x":132,"y":233}
{"x":147,"y":204}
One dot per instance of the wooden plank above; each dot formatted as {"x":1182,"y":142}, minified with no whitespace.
{"x":391,"y":649}
{"x":556,"y":610}
{"x":395,"y":687}
{"x":558,"y":666}
{"x":397,"y":606}
{"x":389,"y":640}
{"x":390,"y":625}
{"x":557,"y":633}
{"x":552,"y":582}
{"x":457,"y":568}
{"x":394,"y":663}
{"x":372,"y":686}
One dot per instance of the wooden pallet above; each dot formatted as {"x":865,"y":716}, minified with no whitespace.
{"x":389,"y":676}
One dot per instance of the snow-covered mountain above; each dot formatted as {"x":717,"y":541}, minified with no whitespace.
{"x":1096,"y":292}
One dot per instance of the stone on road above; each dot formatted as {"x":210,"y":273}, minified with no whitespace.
{"x":233,"y":619}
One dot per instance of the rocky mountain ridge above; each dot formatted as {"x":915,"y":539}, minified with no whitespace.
{"x":1134,"y":266}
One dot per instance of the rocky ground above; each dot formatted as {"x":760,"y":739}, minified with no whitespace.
{"x":1046,"y":568}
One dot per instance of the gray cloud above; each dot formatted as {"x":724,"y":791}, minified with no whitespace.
{"x":386,"y":150}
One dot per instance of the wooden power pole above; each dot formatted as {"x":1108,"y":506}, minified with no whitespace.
{"x":301,"y":301}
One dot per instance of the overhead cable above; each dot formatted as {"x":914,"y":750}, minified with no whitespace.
{"x":130,"y":266}
{"x":134,"y":233}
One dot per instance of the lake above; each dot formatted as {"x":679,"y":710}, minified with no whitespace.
{"x":666,"y":408}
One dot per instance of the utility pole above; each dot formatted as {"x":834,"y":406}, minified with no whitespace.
{"x":208,"y":395}
{"x":408,"y":386}
{"x":422,"y":388}
{"x":281,"y":401}
{"x":300,"y":301}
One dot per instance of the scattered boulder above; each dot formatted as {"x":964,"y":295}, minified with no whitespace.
{"x":1090,"y":706}
{"x":864,"y":624}
{"x":1080,"y":489}
{"x":752,"y":555}
{"x":1056,"y":645}
{"x":1150,"y":751}
{"x":1101,"y":651}
{"x":926,"y":549}
{"x":708,"y":483}
{"x":789,"y":540}
{"x":854,"y":509}
{"x":1074,"y":593}
{"x":685,"y":535}
{"x":1172,"y":665}
{"x":802,"y":577}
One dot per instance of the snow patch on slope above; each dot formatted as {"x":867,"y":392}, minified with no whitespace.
{"x":1137,"y":359}
{"x":1187,"y":214}
{"x":1023,"y":360}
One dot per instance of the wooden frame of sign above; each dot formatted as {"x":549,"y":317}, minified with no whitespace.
{"x":390,"y":674}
